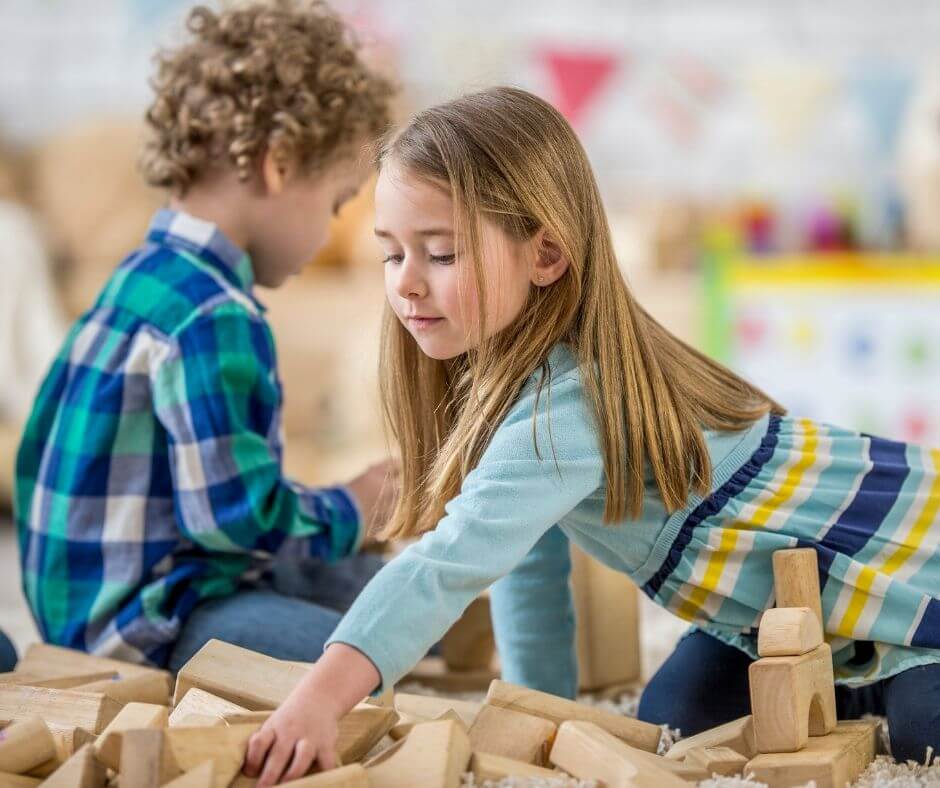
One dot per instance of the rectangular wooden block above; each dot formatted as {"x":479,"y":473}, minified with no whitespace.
{"x":833,"y":761}
{"x":132,"y":716}
{"x":792,"y":698}
{"x":512,"y":734}
{"x":247,"y":678}
{"x":148,"y":688}
{"x":55,"y":661}
{"x":61,"y":709}
{"x":352,"y":776}
{"x":433,"y":755}
{"x":717,"y":760}
{"x":362,"y":729}
{"x":606,"y":623}
{"x":737,"y":735}
{"x":486,"y":766}
{"x":788,"y":632}
{"x":432,"y":672}
{"x":25,"y":745}
{"x":588,"y":752}
{"x":796,"y":580}
{"x":199,"y":702}
{"x":55,"y":682}
{"x":636,"y":733}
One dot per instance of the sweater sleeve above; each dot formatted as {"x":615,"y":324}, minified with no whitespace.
{"x":530,"y":476}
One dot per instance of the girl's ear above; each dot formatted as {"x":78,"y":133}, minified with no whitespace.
{"x":550,"y":260}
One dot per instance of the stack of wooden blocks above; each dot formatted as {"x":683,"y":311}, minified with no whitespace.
{"x":792,"y":736}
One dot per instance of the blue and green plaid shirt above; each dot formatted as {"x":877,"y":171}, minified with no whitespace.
{"x":149,"y":477}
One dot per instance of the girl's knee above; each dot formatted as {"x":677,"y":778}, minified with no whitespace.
{"x":7,"y":654}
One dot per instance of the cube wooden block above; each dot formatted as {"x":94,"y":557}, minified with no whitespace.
{"x":512,"y":734}
{"x":433,"y":755}
{"x":204,"y":704}
{"x":132,"y":716}
{"x":361,"y":729}
{"x":25,"y":745}
{"x":737,"y":735}
{"x":636,"y":733}
{"x":247,"y":678}
{"x":792,"y":698}
{"x":606,"y":623}
{"x":588,"y":752}
{"x":796,"y":580}
{"x":788,"y":632}
{"x":833,"y":761}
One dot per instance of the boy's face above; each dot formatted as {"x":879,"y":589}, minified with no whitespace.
{"x":291,"y":225}
{"x":429,"y":281}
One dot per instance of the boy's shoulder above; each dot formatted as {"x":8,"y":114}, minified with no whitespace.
{"x":168,"y":284}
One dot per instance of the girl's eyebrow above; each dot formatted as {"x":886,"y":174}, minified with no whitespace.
{"x":430,"y":232}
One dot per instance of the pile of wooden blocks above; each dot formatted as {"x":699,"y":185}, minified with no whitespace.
{"x":792,"y":735}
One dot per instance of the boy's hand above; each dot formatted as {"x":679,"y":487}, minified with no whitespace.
{"x":376,"y":492}
{"x":298,"y":734}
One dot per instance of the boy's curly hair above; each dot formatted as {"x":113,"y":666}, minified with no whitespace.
{"x":283,"y":76}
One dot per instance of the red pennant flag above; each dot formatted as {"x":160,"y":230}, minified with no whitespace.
{"x":577,"y":78}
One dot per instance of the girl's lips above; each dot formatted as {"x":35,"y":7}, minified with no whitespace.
{"x":420,"y":323}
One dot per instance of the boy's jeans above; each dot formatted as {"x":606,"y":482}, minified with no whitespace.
{"x":290,"y":620}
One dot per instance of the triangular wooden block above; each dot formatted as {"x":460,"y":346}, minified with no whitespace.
{"x":433,"y":755}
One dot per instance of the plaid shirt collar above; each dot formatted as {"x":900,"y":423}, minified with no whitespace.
{"x":206,"y":241}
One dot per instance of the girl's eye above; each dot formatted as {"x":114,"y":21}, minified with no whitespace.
{"x":392,"y":258}
{"x":443,"y":259}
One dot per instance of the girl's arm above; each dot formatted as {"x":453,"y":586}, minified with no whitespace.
{"x":303,"y":729}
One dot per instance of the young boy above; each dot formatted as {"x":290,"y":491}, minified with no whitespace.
{"x":150,"y":497}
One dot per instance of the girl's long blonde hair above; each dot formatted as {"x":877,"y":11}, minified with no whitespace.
{"x":511,"y":158}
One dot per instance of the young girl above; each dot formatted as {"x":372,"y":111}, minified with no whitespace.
{"x":534,"y":401}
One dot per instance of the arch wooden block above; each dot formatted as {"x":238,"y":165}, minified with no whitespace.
{"x":788,"y":632}
{"x":433,"y":755}
{"x":796,"y":580}
{"x":792,"y":698}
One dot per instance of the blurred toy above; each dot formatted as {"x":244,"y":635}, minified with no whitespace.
{"x":919,"y":167}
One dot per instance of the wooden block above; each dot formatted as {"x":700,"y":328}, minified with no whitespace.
{"x":247,"y":717}
{"x":606,"y":606}
{"x":56,"y":682}
{"x":486,"y":766}
{"x":55,"y":661}
{"x":352,"y":776}
{"x":149,"y":688}
{"x":61,"y":709}
{"x":205,"y":704}
{"x":788,"y":632}
{"x":469,"y":644}
{"x":586,"y":751}
{"x":717,"y":760}
{"x":225,"y":745}
{"x":197,"y":721}
{"x":403,"y":728}
{"x":143,"y":761}
{"x":362,"y":729}
{"x":792,"y":698}
{"x":833,"y":761}
{"x":247,"y":678}
{"x":67,"y":743}
{"x":432,"y":672}
{"x":427,"y":707}
{"x":25,"y":745}
{"x":433,"y":755}
{"x":641,"y":735}
{"x":133,"y":716}
{"x":386,"y":699}
{"x":796,"y":580}
{"x":82,"y":770}
{"x":512,"y":734}
{"x":203,"y":776}
{"x":17,"y":781}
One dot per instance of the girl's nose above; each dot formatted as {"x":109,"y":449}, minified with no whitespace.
{"x":411,"y":282}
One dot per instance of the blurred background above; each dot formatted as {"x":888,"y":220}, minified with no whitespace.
{"x":771,"y":170}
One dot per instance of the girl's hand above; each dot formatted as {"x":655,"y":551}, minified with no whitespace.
{"x":303,"y":730}
{"x":300,"y":733}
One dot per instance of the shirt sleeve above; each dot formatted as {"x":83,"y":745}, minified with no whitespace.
{"x":533,"y":615}
{"x":217,"y":395}
{"x":528,"y":479}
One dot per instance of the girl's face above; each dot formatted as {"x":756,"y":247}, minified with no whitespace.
{"x":429,"y":278}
